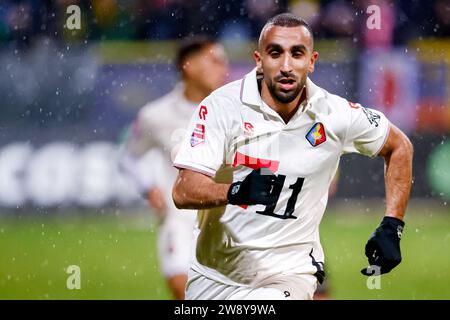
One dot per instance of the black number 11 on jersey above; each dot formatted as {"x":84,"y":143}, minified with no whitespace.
{"x":290,"y":207}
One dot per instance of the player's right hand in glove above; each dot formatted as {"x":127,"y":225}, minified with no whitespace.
{"x":256,"y":188}
{"x":383,"y":247}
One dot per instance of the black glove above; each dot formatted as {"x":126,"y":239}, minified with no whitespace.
{"x":383,"y":247}
{"x":256,"y":188}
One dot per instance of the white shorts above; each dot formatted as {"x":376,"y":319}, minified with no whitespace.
{"x":175,"y":236}
{"x":279,"y":287}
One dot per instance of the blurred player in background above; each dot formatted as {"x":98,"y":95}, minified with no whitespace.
{"x":153,"y":140}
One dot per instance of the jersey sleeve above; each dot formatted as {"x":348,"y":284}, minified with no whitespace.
{"x":203,"y":148}
{"x":367,"y":131}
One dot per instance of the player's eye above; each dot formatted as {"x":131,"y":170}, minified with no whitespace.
{"x":297,"y":54}
{"x":274,"y":54}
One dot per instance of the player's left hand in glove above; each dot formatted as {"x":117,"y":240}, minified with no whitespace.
{"x":383,"y":247}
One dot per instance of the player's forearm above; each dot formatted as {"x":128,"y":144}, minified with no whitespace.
{"x":193,"y":190}
{"x":398,"y":178}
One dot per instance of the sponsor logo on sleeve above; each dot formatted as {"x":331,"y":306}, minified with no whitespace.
{"x":202,"y":112}
{"x":198,"y":135}
{"x":373,"y":117}
{"x":248,"y":129}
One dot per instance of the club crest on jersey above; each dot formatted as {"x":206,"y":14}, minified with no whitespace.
{"x":198,"y":135}
{"x":316,"y":135}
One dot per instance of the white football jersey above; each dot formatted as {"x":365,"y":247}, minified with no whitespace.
{"x":233,"y":132}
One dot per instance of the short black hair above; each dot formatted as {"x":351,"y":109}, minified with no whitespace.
{"x":189,"y":46}
{"x":286,"y":20}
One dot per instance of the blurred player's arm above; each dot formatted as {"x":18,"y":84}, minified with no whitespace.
{"x":139,"y":159}
{"x":398,"y":154}
{"x":141,"y":170}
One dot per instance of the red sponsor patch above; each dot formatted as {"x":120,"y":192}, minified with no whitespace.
{"x":255,"y":163}
{"x":202,"y":112}
{"x":248,"y":129}
{"x":198,"y":135}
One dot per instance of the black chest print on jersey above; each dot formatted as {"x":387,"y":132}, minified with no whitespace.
{"x":372,"y":116}
{"x":290,"y":207}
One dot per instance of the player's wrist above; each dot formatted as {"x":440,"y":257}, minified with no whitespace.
{"x":392,"y":221}
{"x":394,"y":215}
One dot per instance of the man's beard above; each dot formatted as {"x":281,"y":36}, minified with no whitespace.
{"x":283,"y":96}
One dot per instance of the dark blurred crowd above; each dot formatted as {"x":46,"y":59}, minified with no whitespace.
{"x":22,"y":20}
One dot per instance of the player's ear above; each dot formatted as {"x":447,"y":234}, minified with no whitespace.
{"x":257,"y":57}
{"x":186,"y":69}
{"x":314,"y":57}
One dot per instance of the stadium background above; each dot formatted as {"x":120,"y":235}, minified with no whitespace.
{"x":68,"y":96}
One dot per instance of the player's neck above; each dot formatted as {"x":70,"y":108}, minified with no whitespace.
{"x":285,"y":110}
{"x":193,"y":93}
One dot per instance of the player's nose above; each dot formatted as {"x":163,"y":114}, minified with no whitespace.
{"x":286,"y":66}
